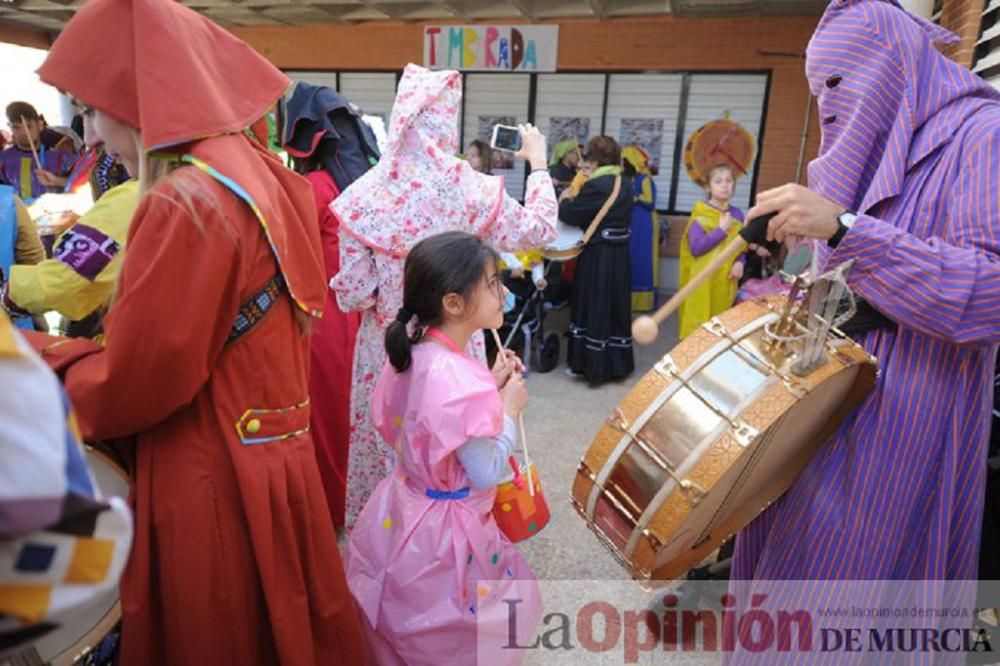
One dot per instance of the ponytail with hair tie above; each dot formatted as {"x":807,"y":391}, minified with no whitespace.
{"x":398,"y":343}
{"x":453,"y":262}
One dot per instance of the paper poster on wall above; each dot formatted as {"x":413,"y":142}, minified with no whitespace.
{"x":501,"y":159}
{"x":491,"y":48}
{"x":567,"y":128}
{"x":647,"y":133}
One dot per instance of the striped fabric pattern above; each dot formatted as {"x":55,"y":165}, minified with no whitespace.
{"x":912,"y":141}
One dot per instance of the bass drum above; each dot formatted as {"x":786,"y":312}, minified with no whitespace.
{"x":718,"y":430}
{"x":76,"y":636}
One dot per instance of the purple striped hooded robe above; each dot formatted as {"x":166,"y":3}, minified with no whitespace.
{"x":910,"y":142}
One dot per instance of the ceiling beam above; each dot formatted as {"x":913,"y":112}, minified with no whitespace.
{"x":598,"y":8}
{"x":451,"y":9}
{"x":327,"y":9}
{"x":522,"y":7}
{"x":22,"y":35}
{"x":371,"y":4}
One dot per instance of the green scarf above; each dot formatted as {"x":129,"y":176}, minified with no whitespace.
{"x":606,"y":170}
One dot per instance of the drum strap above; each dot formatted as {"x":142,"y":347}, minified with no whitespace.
{"x":604,"y":211}
{"x":253,"y":309}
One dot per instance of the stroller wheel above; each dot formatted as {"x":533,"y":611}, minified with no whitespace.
{"x":548,"y":356}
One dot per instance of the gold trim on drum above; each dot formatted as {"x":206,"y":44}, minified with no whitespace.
{"x":689,"y":397}
{"x":748,"y":394}
{"x":725,"y":375}
{"x":564,"y":254}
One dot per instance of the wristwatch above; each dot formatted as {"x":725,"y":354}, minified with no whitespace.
{"x":844,"y":223}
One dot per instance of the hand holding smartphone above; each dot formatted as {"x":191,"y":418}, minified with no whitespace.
{"x":506,"y":138}
{"x":524,"y":141}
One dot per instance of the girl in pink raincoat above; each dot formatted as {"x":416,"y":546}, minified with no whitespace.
{"x":434,"y":577}
{"x":419,"y":188}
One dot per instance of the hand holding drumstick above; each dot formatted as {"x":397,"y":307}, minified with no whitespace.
{"x":506,"y":364}
{"x":645,"y":329}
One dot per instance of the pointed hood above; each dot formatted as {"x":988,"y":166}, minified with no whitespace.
{"x":420,"y":187}
{"x":124,"y":58}
{"x":886,"y":98}
{"x":183,"y":82}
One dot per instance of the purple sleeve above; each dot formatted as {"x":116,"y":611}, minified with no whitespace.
{"x":67,"y":161}
{"x":947,"y":285}
{"x":701,"y":242}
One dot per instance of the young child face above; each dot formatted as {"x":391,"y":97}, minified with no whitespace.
{"x":720,"y":187}
{"x":487,"y":300}
{"x":474,"y":158}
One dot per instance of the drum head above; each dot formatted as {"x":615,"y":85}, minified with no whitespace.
{"x":567,"y":245}
{"x":80,"y":633}
{"x":718,"y":430}
{"x":767,"y":469}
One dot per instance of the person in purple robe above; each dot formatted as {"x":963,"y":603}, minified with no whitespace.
{"x":905,"y":185}
{"x":30,"y":164}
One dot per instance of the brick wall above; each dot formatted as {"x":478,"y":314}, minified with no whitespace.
{"x":962,"y":17}
{"x":650,"y":43}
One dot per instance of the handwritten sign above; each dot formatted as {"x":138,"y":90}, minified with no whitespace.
{"x":491,"y":48}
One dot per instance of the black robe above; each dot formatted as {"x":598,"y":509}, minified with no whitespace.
{"x":600,"y":336}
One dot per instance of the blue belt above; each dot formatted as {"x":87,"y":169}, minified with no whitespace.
{"x":461,"y":493}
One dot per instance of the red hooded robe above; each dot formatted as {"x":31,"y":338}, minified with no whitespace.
{"x":235,"y":558}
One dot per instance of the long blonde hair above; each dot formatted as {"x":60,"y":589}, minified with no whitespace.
{"x":186,"y":191}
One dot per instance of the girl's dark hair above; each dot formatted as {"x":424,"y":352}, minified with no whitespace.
{"x":604,"y":150}
{"x":451,"y":262}
{"x":485,"y":155}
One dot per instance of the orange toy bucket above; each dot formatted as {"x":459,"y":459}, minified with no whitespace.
{"x":519,"y":514}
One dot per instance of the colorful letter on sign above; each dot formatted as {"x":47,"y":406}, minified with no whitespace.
{"x":492,"y":48}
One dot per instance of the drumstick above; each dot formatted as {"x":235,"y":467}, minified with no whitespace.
{"x":31,"y":142}
{"x":527,"y":458}
{"x":500,"y":350}
{"x":646,"y":328}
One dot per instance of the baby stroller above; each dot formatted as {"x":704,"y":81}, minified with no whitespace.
{"x":523,"y":330}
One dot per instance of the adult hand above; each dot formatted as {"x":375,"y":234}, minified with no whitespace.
{"x":736,"y":272}
{"x":541,"y":284}
{"x":800,"y":212}
{"x":49,"y":179}
{"x":532,"y":146}
{"x":726,"y":222}
{"x":514,"y":395}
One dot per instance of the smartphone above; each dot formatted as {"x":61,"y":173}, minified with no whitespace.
{"x":506,"y":138}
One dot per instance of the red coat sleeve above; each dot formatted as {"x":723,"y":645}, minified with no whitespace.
{"x":178,"y":296}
